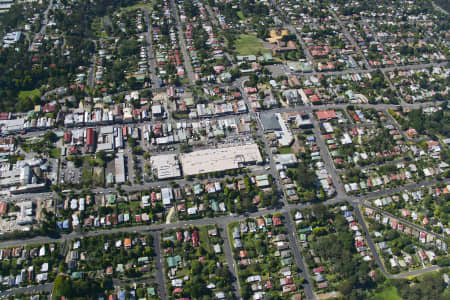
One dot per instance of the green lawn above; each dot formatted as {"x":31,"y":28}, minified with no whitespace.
{"x":55,"y":152}
{"x":390,"y":293}
{"x":138,"y":6}
{"x":249,"y":44}
{"x":240,"y":15}
{"x":203,"y":236}
{"x":285,"y":150}
{"x":30,"y":94}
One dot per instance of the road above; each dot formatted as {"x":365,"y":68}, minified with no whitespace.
{"x":182,"y":43}
{"x":160,"y":276}
{"x":293,"y":108}
{"x":150,"y":52}
{"x":44,"y":23}
{"x":380,"y":264}
{"x":361,"y":71}
{"x":405,"y":222}
{"x":155,"y":229}
{"x":327,"y":159}
{"x":349,"y":37}
{"x":260,"y":134}
{"x":224,"y":220}
{"x":293,"y":241}
{"x":91,"y":73}
{"x":228,"y":252}
{"x":374,"y":165}
{"x":439,"y":8}
{"x":47,"y":287}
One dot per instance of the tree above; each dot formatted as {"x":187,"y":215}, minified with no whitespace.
{"x":185,"y":147}
{"x":50,"y":137}
{"x":140,"y":293}
{"x":101,"y":157}
{"x":62,"y":287}
{"x":320,"y":211}
{"x":345,"y":287}
{"x":196,"y":267}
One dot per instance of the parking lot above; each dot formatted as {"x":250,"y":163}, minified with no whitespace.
{"x":278,"y":70}
{"x":69,"y":174}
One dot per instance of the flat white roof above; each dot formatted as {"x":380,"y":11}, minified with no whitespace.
{"x":219,"y":159}
{"x":166,"y":166}
{"x":119,"y":163}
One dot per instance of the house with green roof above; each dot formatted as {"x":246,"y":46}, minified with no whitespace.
{"x":111,"y":199}
{"x":262,"y":180}
{"x":110,"y":178}
{"x":215,"y":205}
{"x":173,"y":261}
{"x":306,"y":229}
{"x":77,"y":275}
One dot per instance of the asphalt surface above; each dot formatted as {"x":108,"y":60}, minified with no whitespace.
{"x":182,"y":42}
{"x":293,"y":242}
{"x":228,"y":252}
{"x":160,"y":276}
{"x":325,"y":155}
{"x":150,"y":54}
{"x":44,"y":23}
{"x":48,"y":287}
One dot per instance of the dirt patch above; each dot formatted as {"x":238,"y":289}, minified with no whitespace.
{"x":329,"y":295}
{"x":296,"y":146}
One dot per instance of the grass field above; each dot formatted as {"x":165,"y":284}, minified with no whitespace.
{"x":138,"y":6}
{"x":285,"y":150}
{"x":30,"y":94}
{"x":388,"y":293}
{"x":249,"y":44}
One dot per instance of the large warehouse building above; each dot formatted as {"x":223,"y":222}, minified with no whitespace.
{"x":219,"y":159}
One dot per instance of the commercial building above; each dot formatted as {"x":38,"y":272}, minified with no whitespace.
{"x":90,"y":140}
{"x":324,"y":115}
{"x":12,"y":125}
{"x":119,"y":163}
{"x":286,"y":160}
{"x":165,"y":166}
{"x":219,"y":159}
